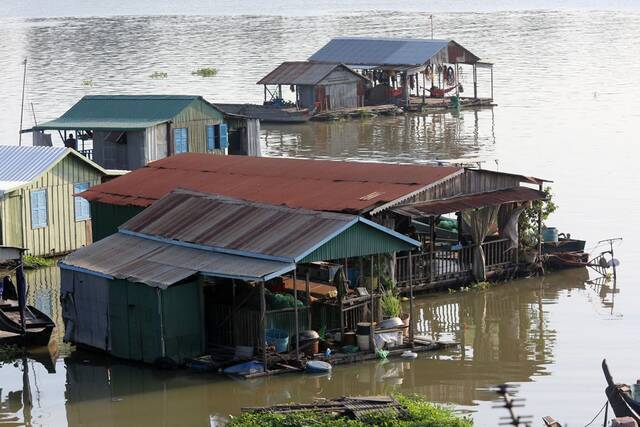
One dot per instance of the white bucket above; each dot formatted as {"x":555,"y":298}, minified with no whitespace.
{"x":363,"y":342}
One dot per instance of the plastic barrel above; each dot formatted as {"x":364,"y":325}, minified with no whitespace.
{"x":278,"y":338}
{"x":550,"y":234}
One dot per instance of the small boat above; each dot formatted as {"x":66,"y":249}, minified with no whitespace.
{"x":318,"y":366}
{"x":38,"y":326}
{"x":409,"y":355}
{"x":562,"y":260}
{"x":621,"y":402}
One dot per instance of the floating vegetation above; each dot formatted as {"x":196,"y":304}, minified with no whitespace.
{"x":205,"y":72}
{"x":477,"y":286}
{"x":9,"y":353}
{"x":87,"y":83}
{"x":34,"y":262}
{"x":159,"y":75}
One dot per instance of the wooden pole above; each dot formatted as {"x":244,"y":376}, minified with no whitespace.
{"x":432,"y":243}
{"x":540,"y":226}
{"x":372,"y":341}
{"x":491,"y":81}
{"x":295,"y":310}
{"x":233,"y":311}
{"x":306,"y":285}
{"x":411,"y":300}
{"x":263,"y":333}
{"x":24,"y":82}
{"x":475,"y":81}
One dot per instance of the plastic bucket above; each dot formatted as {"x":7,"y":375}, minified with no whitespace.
{"x":363,"y":342}
{"x":550,"y":234}
{"x":363,"y":328}
{"x":278,"y":338}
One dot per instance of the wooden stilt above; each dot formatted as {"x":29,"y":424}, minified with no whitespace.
{"x":540,"y":226}
{"x":263,"y":332}
{"x":432,"y":244}
{"x":295,"y":311}
{"x":372,"y":341}
{"x":308,"y":301}
{"x":475,"y":81}
{"x":411,"y":332}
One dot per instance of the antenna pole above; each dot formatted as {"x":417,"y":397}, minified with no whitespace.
{"x":24,"y":82}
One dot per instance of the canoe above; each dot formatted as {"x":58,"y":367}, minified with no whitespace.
{"x":318,"y":366}
{"x":622,"y":403}
{"x":38,"y":325}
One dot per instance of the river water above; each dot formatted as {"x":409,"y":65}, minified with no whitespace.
{"x":568,"y":91}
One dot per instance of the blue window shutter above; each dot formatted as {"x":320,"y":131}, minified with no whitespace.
{"x":210,"y":138}
{"x":180,"y":139}
{"x":224,"y":137}
{"x":38,"y":208}
{"x":82,"y":210}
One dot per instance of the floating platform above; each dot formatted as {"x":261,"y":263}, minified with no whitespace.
{"x":267,"y":113}
{"x":418,"y":104}
{"x":360,"y":112}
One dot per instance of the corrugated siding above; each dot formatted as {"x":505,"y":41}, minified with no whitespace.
{"x":358,"y":240}
{"x":105,"y":218}
{"x":62,"y":233}
{"x":196,"y":117}
{"x":183,"y":321}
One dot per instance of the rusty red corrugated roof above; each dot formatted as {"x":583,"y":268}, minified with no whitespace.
{"x":325,"y":185}
{"x":471,"y":201}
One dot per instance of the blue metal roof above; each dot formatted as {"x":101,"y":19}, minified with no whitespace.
{"x":358,"y":51}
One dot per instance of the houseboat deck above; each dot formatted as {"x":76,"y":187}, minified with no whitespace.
{"x":417,"y":103}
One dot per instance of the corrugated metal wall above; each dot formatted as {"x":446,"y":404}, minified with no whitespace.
{"x":195,"y":118}
{"x":62,"y":233}
{"x":106,"y":218}
{"x":359,"y":240}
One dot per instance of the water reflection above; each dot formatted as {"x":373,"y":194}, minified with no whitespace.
{"x":466,"y":135}
{"x":505,"y":335}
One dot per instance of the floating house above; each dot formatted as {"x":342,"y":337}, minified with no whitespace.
{"x":39,"y":207}
{"x":434,"y":204}
{"x":408,"y":71}
{"x":128,"y":131}
{"x":197,"y":271}
{"x":317,"y":87}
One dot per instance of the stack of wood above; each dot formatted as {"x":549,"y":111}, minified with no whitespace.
{"x":350,"y":407}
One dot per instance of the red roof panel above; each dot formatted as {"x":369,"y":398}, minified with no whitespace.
{"x":297,"y":183}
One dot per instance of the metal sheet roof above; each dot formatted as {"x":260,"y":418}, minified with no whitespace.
{"x":323,"y":185}
{"x":471,"y":201}
{"x":120,"y":112}
{"x":371,"y":51}
{"x":161,"y":264}
{"x":301,"y":73}
{"x":19,"y":165}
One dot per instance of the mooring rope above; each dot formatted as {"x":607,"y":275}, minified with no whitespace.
{"x":606,"y":402}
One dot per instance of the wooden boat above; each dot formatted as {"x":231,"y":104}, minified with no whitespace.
{"x":38,"y":325}
{"x":562,"y":260}
{"x":563,"y":245}
{"x":621,"y":402}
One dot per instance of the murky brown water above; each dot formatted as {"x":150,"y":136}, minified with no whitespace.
{"x":569,"y":104}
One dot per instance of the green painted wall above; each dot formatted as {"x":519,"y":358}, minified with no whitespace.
{"x":136,"y":328}
{"x":195,"y":118}
{"x":107,"y":218}
{"x":63,"y":233}
{"x":358,"y":240}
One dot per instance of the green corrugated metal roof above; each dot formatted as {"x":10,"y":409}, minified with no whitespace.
{"x":120,"y":112}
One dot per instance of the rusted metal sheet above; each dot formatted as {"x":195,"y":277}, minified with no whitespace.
{"x":254,"y":229}
{"x":303,"y":73}
{"x":161,"y":264}
{"x":471,"y":201}
{"x":323,"y":185}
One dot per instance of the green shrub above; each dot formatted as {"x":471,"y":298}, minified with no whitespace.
{"x":34,"y":262}
{"x":390,"y":304}
{"x":205,"y":72}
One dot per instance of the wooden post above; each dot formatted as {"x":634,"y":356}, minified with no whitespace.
{"x":475,"y":81}
{"x":372,"y":341}
{"x":295,"y":311}
{"x":432,"y":243}
{"x":263,"y":332}
{"x":491,"y":82}
{"x":233,"y":311}
{"x":306,"y":286}
{"x":540,"y":226}
{"x":424,"y":85}
{"x":411,"y":300}
{"x":265,"y":93}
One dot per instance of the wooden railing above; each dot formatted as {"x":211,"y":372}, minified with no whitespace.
{"x":447,"y":263}
{"x":87,"y":153}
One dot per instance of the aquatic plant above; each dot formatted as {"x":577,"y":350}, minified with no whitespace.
{"x":34,"y":262}
{"x":420,"y":412}
{"x":87,"y":83}
{"x":9,"y":353}
{"x":528,"y":221}
{"x":159,"y":75}
{"x":390,"y":304}
{"x":205,"y":72}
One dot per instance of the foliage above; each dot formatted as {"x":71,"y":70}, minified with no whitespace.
{"x":420,"y":413}
{"x":87,"y":83}
{"x":159,"y":75}
{"x":9,"y":353}
{"x":528,"y":221}
{"x":34,"y":262}
{"x":205,"y":72}
{"x":476,"y":286}
{"x":390,"y":304}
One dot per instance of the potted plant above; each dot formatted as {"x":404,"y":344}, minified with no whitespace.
{"x":390,"y":305}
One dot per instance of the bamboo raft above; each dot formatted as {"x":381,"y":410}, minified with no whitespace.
{"x":350,"y":407}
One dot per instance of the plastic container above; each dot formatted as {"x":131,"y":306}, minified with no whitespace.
{"x":393,"y":322}
{"x":363,"y":342}
{"x":349,"y":338}
{"x":364,"y":328}
{"x":550,"y":234}
{"x":278,"y":338}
